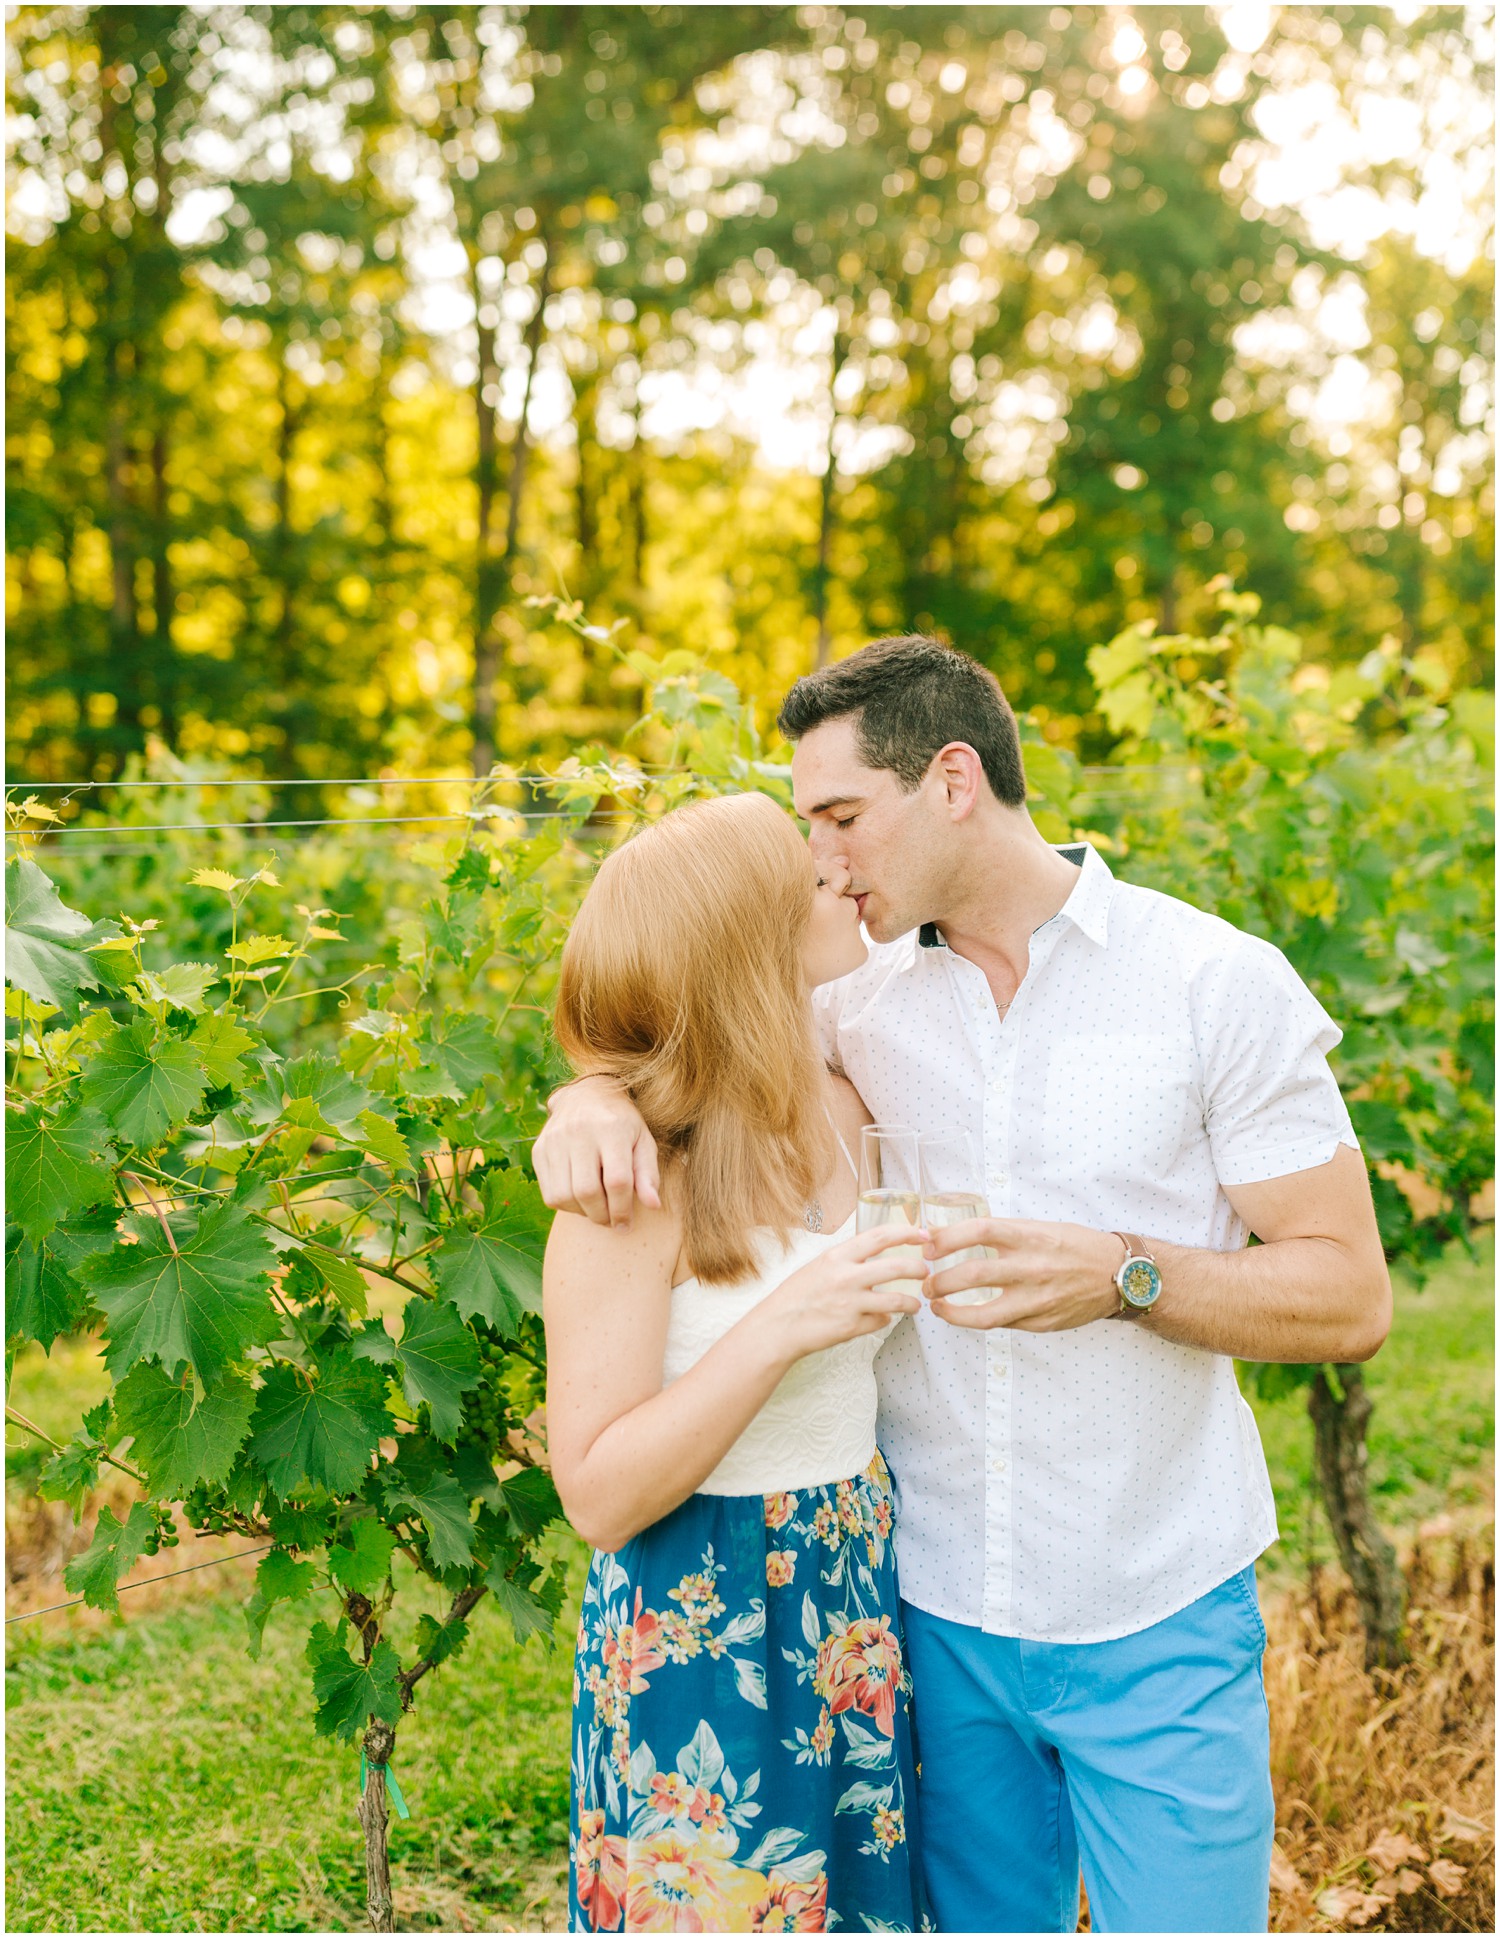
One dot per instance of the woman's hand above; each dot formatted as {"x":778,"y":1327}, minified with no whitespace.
{"x":851,"y":1289}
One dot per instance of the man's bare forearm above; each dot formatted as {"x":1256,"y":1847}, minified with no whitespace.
{"x":1298,"y":1300}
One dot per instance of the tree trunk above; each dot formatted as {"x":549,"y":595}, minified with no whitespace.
{"x":124,"y":621}
{"x":379,"y":1741}
{"x":636,"y":486}
{"x":1167,"y":616}
{"x":828,"y":506}
{"x":487,"y":566}
{"x":161,"y":591}
{"x":285,"y":676}
{"x":487,"y":666}
{"x":534,"y":331}
{"x":585,"y":398}
{"x":1340,"y":1407}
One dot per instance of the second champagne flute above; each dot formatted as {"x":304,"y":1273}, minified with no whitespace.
{"x":890,"y":1191}
{"x":952,"y":1193}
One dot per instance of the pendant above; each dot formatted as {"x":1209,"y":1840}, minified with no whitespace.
{"x":813,"y":1216}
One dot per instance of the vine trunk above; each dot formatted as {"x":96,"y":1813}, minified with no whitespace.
{"x":380,"y":1741}
{"x":1340,"y":1406}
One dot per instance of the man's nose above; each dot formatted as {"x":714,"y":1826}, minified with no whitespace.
{"x":825,"y":847}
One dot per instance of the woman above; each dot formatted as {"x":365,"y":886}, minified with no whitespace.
{"x":741,"y":1740}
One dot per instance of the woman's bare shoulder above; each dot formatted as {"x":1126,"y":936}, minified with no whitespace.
{"x":643,"y":1249}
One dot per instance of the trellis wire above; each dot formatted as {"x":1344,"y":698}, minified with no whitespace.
{"x":330,"y":821}
{"x":312,"y":780}
{"x":124,"y":1587}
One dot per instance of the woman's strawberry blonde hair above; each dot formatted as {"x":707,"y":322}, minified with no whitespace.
{"x":682,"y":977}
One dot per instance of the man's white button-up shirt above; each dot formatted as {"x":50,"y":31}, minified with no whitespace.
{"x":1076,"y":1486}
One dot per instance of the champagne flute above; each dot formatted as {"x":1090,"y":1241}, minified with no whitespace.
{"x":890,"y":1191}
{"x":952,"y":1192}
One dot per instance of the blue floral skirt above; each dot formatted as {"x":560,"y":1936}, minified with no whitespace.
{"x":742,"y":1750}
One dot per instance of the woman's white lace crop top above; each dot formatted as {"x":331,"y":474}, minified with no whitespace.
{"x":819,"y":1424}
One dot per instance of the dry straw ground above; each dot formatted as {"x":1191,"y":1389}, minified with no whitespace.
{"x":1385,"y":1784}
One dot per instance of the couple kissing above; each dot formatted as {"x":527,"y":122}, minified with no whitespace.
{"x":922,"y":1582}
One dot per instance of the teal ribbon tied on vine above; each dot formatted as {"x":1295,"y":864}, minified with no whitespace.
{"x":393,"y":1788}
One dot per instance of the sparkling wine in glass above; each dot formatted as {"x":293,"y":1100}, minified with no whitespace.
{"x":890,"y":1191}
{"x":953,"y":1192}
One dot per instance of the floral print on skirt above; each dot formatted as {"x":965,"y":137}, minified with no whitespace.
{"x":742,"y":1752}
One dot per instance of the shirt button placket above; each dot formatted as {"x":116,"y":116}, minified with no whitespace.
{"x":999,"y":1522}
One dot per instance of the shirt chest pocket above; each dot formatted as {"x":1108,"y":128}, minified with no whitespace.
{"x":1118,"y":1104}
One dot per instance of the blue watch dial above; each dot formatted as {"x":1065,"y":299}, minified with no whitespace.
{"x":1140,"y":1282}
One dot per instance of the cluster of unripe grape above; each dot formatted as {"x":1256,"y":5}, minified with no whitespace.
{"x":201,"y":1513}
{"x":163,"y":1530}
{"x":486,"y":1418}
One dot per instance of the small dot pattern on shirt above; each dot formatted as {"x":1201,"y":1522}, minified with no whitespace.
{"x":1076,"y":1486}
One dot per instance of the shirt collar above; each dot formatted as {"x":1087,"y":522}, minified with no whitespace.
{"x":1087,"y":907}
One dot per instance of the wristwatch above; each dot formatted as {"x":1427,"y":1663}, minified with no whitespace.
{"x":1138,"y":1280}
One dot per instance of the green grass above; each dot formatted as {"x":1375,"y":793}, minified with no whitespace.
{"x":160,"y":1780}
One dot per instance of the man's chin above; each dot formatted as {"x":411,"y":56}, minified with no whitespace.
{"x":880,"y":927}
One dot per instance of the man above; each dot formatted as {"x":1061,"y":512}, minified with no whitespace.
{"x":1082,"y":1490}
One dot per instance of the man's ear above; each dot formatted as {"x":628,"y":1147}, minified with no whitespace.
{"x":961,"y":772}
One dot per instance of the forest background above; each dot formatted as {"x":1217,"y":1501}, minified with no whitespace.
{"x":394,"y":391}
{"x":335,"y":333}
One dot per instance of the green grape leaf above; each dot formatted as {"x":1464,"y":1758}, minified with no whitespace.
{"x":44,"y":1296}
{"x":45,"y":941}
{"x":453,"y":930}
{"x":221,"y":1043}
{"x":470,"y":1051}
{"x":202,"y":1306}
{"x":470,"y":873}
{"x":430,"y":1080}
{"x":342,"y":1277}
{"x":53,"y":1166}
{"x":363,"y":1565}
{"x":347,"y":1692}
{"x":494,"y":1272}
{"x":299,"y":1525}
{"x":440,"y":1361}
{"x":530,"y":1499}
{"x":183,"y":986}
{"x":418,"y":1482}
{"x":476,"y":1476}
{"x":113,"y":1552}
{"x":258,"y":948}
{"x":324,"y":1434}
{"x":372,"y":1341}
{"x":71,"y":1475}
{"x":278,"y":1579}
{"x":144,"y":1087}
{"x":305,"y":1115}
{"x":181,"y":1445}
{"x":529,"y":1615}
{"x":381,"y":1139}
{"x":439,"y":1641}
{"x":322,"y":1081}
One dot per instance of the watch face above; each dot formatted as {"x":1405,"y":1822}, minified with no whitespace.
{"x":1140,"y":1282}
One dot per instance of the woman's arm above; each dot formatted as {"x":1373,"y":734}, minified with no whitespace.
{"x":625,"y":1451}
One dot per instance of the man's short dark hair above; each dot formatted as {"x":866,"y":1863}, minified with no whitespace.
{"x":910,"y":696}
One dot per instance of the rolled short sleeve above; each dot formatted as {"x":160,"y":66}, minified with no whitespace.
{"x":1270,"y":1102}
{"x":825,"y":1009}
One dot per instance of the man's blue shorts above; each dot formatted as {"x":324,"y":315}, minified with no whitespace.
{"x":1146,"y":1760}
